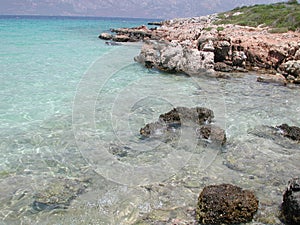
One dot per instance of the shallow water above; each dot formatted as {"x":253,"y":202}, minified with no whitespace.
{"x":80,"y":130}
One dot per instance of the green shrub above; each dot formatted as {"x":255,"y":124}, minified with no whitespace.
{"x":278,"y":15}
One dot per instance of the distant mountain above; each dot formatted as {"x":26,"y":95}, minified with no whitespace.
{"x":126,"y":8}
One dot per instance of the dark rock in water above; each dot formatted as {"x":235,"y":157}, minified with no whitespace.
{"x":153,"y":129}
{"x":58,"y":195}
{"x":291,"y":202}
{"x":226,"y":204}
{"x":118,"y":150}
{"x":197,"y":120}
{"x":213,"y":133}
{"x":291,"y":132}
{"x":177,"y":117}
{"x":112,"y":43}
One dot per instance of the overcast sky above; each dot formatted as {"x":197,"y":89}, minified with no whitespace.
{"x":122,"y":8}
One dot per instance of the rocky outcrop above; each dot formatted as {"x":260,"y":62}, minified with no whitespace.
{"x":291,"y":202}
{"x":198,"y":119}
{"x":175,"y":57}
{"x":196,"y":45}
{"x":128,"y":34}
{"x":226,"y":204}
{"x":291,"y":132}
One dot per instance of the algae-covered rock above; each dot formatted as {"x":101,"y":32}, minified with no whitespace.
{"x":226,"y":204}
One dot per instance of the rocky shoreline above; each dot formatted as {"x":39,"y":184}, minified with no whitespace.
{"x":196,"y":45}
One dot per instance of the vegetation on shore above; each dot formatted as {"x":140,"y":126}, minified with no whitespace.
{"x":280,"y":17}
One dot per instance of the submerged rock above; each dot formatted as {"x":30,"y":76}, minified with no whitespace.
{"x":226,"y":204}
{"x":291,"y":202}
{"x":291,"y":132}
{"x":58,"y":195}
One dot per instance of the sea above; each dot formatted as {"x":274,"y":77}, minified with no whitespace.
{"x":72,"y":106}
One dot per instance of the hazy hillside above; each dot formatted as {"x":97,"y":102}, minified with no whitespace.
{"x":125,"y":8}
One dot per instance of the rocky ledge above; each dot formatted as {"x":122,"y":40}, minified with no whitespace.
{"x":195,"y":45}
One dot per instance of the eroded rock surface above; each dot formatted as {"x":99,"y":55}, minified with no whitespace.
{"x":226,"y":204}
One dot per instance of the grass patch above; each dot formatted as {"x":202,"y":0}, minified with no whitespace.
{"x":278,"y":16}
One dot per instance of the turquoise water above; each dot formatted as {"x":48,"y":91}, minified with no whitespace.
{"x":70,"y":112}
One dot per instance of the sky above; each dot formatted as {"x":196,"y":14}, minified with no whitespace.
{"x":123,"y":8}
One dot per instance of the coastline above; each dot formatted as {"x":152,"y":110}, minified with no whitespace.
{"x":216,"y":49}
{"x":196,"y":46}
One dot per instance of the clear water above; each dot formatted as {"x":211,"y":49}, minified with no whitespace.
{"x":70,"y":112}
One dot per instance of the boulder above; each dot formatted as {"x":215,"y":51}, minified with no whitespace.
{"x":226,"y":204}
{"x":291,"y":132}
{"x":291,"y":202}
{"x":174,"y":57}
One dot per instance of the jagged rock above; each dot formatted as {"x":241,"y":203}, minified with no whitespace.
{"x":222,"y":48}
{"x":213,"y":133}
{"x":292,"y":67}
{"x":173,"y":57}
{"x":209,"y":47}
{"x":179,"y":115}
{"x":238,"y":58}
{"x":196,"y":119}
{"x":291,"y":202}
{"x":291,"y":132}
{"x":226,"y":204}
{"x":106,"y":36}
{"x":175,"y":118}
